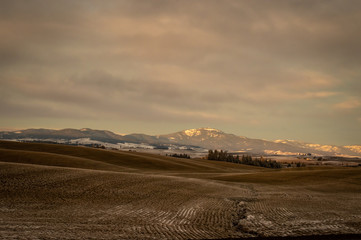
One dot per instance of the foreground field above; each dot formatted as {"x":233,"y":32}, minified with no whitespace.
{"x":65,"y":192}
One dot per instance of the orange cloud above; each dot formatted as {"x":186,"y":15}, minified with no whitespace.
{"x":348,"y":105}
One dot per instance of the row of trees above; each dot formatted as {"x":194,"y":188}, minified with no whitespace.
{"x":297,"y":164}
{"x":245,"y":159}
{"x":181,"y":155}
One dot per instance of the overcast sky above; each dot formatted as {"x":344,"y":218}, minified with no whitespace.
{"x":262,"y":69}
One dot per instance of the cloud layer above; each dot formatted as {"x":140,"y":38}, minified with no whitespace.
{"x":280,"y":69}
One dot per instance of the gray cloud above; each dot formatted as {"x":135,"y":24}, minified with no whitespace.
{"x":246,"y":66}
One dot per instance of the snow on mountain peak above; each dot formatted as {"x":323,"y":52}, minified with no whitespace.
{"x":192,"y":132}
{"x":198,"y":131}
{"x":354,"y":148}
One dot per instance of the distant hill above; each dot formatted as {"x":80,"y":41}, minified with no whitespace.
{"x":206,"y":138}
{"x":69,"y":134}
{"x":216,"y":139}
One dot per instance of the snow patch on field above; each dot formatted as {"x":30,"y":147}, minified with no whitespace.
{"x":127,"y":145}
{"x":87,"y":141}
{"x":62,"y":141}
{"x":278,"y":152}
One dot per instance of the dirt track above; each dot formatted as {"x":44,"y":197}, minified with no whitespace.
{"x":70,"y":202}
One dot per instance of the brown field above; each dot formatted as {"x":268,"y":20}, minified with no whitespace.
{"x":66,"y":192}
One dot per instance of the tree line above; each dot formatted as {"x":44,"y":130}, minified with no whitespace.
{"x":181,"y":155}
{"x":245,"y":159}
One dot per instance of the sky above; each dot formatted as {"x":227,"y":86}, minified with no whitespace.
{"x":282,"y":69}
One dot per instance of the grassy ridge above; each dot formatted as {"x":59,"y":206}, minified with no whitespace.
{"x":99,"y":159}
{"x":53,"y":159}
{"x":74,"y":156}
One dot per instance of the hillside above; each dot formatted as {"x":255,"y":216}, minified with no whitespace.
{"x":70,"y":192}
{"x":99,"y":159}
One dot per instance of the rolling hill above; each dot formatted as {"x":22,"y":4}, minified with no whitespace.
{"x":54,"y":191}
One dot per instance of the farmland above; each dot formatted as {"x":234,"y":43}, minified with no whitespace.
{"x":68,"y":192}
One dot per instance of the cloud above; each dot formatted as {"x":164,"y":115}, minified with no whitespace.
{"x":348,"y":105}
{"x":218,"y":61}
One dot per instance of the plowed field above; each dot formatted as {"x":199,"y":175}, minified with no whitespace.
{"x":66,"y":192}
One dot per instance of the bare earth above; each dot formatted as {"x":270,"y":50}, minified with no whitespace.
{"x":65,"y":192}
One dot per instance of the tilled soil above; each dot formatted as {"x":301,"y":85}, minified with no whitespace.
{"x":50,"y":202}
{"x":57,"y":202}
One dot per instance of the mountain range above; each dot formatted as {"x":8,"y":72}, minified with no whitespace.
{"x":203,"y":138}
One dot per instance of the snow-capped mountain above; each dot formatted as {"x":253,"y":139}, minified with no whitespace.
{"x":352,"y":150}
{"x":205,"y":138}
{"x":216,"y":139}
